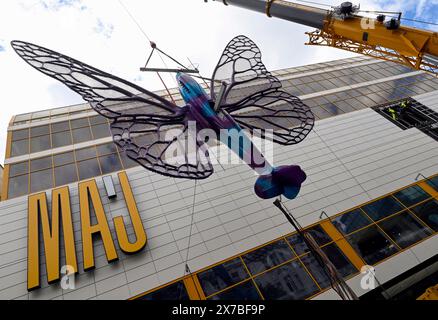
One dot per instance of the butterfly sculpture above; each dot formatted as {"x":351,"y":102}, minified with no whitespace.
{"x":252,"y":100}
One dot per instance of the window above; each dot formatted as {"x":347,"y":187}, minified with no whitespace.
{"x":404,"y":229}
{"x":222,"y":276}
{"x":61,"y":139}
{"x":87,"y":153}
{"x":18,"y":186}
{"x":351,"y":221}
{"x":428,"y":212}
{"x":372,"y":245}
{"x":65,"y":174}
{"x":382,"y":208}
{"x":20,"y":148}
{"x":339,"y":260}
{"x":40,"y":164}
{"x":110,"y":163}
{"x":288,"y":282}
{"x":63,"y":158}
{"x":40,"y":143}
{"x":88,"y":169}
{"x":39,"y":131}
{"x":433,"y":182}
{"x":176,"y":291}
{"x":41,"y":180}
{"x":299,"y":245}
{"x":318,"y":272}
{"x":268,"y":256}
{"x":412,"y":195}
{"x":20,"y":134}
{"x":18,"y":169}
{"x":100,"y":131}
{"x":245,"y":291}
{"x":81,"y":135}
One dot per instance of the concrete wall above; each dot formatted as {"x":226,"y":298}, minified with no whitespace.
{"x":349,"y":159}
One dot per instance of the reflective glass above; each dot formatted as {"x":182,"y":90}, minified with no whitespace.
{"x":404,"y":229}
{"x":79,"y":123}
{"x":288,"y":282}
{"x":433,"y":182}
{"x":20,"y":134}
{"x":320,"y":236}
{"x":88,"y":169}
{"x":222,"y":276}
{"x":63,"y":158}
{"x":40,"y":143}
{"x":81,"y":135}
{"x":61,"y":139}
{"x":39,"y":164}
{"x":127,"y":162}
{"x":268,"y":257}
{"x":245,"y":291}
{"x":298,"y":244}
{"x":41,"y":180}
{"x":39,"y":131}
{"x":65,"y":174}
{"x":110,"y":163}
{"x":18,"y":169}
{"x":317,"y":271}
{"x":20,"y":148}
{"x":351,"y":221}
{"x":339,"y":260}
{"x":428,"y":212}
{"x":87,"y":153}
{"x":412,"y":195}
{"x":176,"y":291}
{"x":106,"y":149}
{"x":18,"y":186}
{"x":60,"y":126}
{"x":382,"y":208}
{"x":98,"y":119}
{"x":101,"y":131}
{"x":372,"y":245}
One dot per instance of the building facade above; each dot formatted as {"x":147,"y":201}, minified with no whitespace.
{"x":371,"y":199}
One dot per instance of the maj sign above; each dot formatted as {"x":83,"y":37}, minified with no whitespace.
{"x":61,"y":215}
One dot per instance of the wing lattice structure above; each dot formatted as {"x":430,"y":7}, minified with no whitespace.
{"x":254,"y":97}
{"x":148,"y":127}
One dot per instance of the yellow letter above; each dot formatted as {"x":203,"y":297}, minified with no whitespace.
{"x":119,"y":225}
{"x":88,"y":191}
{"x":37,"y":209}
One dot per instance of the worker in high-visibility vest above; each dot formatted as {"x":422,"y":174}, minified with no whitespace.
{"x":393,"y":113}
{"x":405,"y":104}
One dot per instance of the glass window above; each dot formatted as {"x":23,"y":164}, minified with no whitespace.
{"x":339,"y":260}
{"x":110,"y":163}
{"x":222,"y":276}
{"x":320,"y":236}
{"x":351,"y":221}
{"x":60,"y":126}
{"x":101,"y":131}
{"x":81,"y":135}
{"x":61,"y":139}
{"x":39,"y":131}
{"x":428,"y":212}
{"x":382,"y":208}
{"x":20,"y":134}
{"x":88,"y":169}
{"x":40,"y":143}
{"x":404,"y":229}
{"x":98,"y":119}
{"x":40,"y":164}
{"x":288,"y":282}
{"x":63,"y":158}
{"x":18,"y":169}
{"x":298,"y":244}
{"x":412,"y":195}
{"x":176,"y":291}
{"x":433,"y":182}
{"x":79,"y":123}
{"x":18,"y":186}
{"x":244,"y":291}
{"x":41,"y":180}
{"x":65,"y":174}
{"x":372,"y":245}
{"x":318,"y":272}
{"x":20,"y":148}
{"x":127,"y":162}
{"x":268,"y":256}
{"x":106,"y":149}
{"x":86,"y":153}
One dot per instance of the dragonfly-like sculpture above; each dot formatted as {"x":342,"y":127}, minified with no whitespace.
{"x":250,"y":99}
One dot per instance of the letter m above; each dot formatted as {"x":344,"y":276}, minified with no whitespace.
{"x":38,"y":215}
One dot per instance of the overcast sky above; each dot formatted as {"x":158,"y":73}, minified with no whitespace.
{"x":100,"y":33}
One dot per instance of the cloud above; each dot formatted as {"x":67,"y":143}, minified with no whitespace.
{"x":2,"y":46}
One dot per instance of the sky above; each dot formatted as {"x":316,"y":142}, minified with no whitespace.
{"x":101,"y":33}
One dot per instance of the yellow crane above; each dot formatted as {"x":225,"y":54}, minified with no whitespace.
{"x":342,"y":27}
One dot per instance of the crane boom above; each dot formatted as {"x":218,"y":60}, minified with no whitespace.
{"x":342,"y":28}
